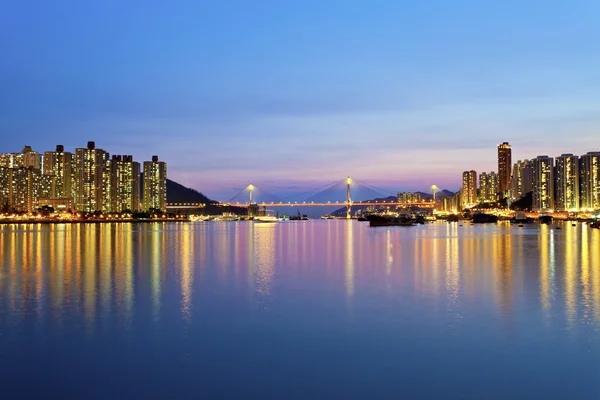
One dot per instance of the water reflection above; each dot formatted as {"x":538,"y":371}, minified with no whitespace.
{"x":264,"y":259}
{"x":349,"y":259}
{"x":452,"y":268}
{"x":186,"y":259}
{"x":110,"y":272}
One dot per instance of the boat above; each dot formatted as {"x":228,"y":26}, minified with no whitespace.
{"x":362,"y":219}
{"x":545,"y":219}
{"x":298,"y":217}
{"x":389,"y":220}
{"x":453,"y":218}
{"x":266,"y":217}
{"x":419,"y":219}
{"x":481,"y":218}
{"x":521,"y":218}
{"x":595,"y":224}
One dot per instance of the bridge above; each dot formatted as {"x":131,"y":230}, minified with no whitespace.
{"x":348,"y":202}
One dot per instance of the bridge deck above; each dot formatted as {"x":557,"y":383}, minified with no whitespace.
{"x":424,"y":204}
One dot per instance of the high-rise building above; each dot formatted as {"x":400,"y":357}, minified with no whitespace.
{"x":5,"y":182}
{"x":483,"y":187}
{"x":543,"y":183}
{"x":566,"y":183}
{"x":25,"y":187}
{"x":504,"y":168}
{"x":31,"y":158}
{"x":409,"y":197}
{"x":124,"y":184}
{"x":469,"y":189}
{"x":11,"y":160}
{"x":488,"y":187}
{"x":457,"y":203}
{"x":521,"y":180}
{"x":589,"y":180}
{"x":90,"y":164}
{"x":155,"y":184}
{"x":59,"y":165}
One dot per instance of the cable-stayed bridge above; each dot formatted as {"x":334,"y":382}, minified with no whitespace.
{"x":328,"y":195}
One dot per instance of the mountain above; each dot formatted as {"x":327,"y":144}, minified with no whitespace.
{"x":523,"y":204}
{"x":177,"y":193}
{"x":438,"y":195}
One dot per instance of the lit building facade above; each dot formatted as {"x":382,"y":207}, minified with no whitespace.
{"x":155,"y":185}
{"x":11,"y":160}
{"x":566,"y":183}
{"x":125,"y":184}
{"x":5,"y":183}
{"x":23,"y":188}
{"x":409,"y":197}
{"x":59,"y":166}
{"x":543,"y":183}
{"x":488,"y":187}
{"x":469,"y":189}
{"x":589,"y":181}
{"x":504,"y":168}
{"x":90,"y":164}
{"x":521,"y":181}
{"x":31,"y":158}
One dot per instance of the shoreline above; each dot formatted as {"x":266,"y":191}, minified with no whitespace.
{"x":106,"y":221}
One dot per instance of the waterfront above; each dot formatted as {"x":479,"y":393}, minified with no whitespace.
{"x":307,"y":309}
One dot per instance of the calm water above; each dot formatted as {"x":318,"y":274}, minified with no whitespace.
{"x":317,"y":309}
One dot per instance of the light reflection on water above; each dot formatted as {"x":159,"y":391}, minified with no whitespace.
{"x":318,"y":301}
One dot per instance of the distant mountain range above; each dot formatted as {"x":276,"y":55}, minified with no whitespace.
{"x":438,"y":195}
{"x":425,"y":196}
{"x":177,"y":193}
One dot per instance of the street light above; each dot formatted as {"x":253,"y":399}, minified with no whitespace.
{"x":434,"y":189}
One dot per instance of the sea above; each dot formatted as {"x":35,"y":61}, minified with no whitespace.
{"x":319,"y":309}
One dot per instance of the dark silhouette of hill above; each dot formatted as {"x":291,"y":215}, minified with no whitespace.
{"x":438,"y":195}
{"x":177,"y":193}
{"x":523,"y":204}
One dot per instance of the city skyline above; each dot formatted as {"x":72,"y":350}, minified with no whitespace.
{"x":272,"y":94}
{"x":484,"y":188}
{"x":88,"y":180}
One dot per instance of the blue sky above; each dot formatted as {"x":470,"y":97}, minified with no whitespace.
{"x":289,"y":95}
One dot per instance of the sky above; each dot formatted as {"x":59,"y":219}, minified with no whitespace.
{"x":290,"y":95}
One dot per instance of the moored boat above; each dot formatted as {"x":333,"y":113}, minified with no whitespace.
{"x":484,"y":218}
{"x":267,"y":217}
{"x":521,"y":218}
{"x":389,"y":220}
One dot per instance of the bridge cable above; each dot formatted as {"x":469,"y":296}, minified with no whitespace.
{"x":329,"y":185}
{"x":374,"y":187}
{"x":239,"y":193}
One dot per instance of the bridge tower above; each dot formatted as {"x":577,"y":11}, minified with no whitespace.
{"x":348,"y":200}
{"x":252,"y":209}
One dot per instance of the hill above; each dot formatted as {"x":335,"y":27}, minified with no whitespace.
{"x":177,"y":193}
